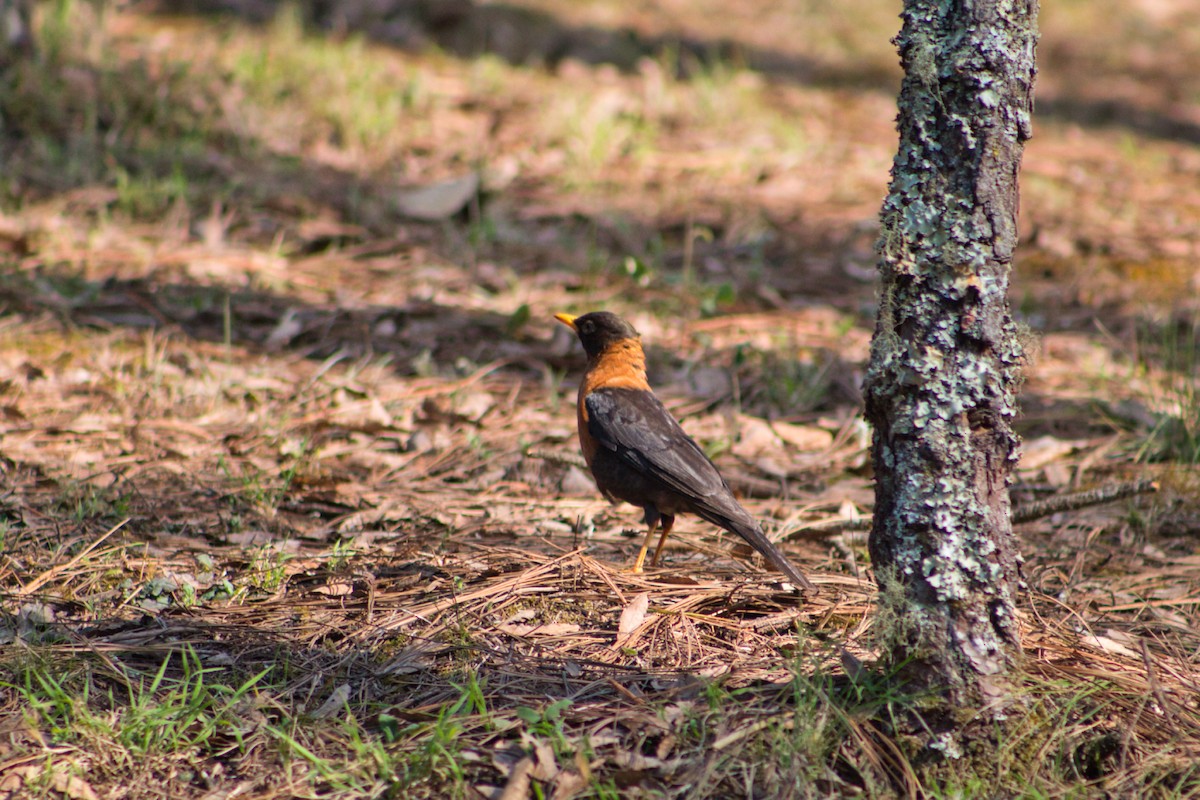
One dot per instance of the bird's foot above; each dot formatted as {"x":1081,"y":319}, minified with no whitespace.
{"x":641,"y":560}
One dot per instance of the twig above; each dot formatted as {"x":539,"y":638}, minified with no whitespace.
{"x":750,"y":486}
{"x":1152,"y":678}
{"x":1070,"y":502}
{"x":741,"y":733}
{"x":54,"y":572}
{"x":567,"y":458}
{"x":825,"y":526}
{"x":519,"y":779}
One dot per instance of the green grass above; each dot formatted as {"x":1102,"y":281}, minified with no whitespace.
{"x":155,"y":715}
{"x":85,"y":503}
{"x":345,"y":92}
{"x":787,"y":380}
{"x":81,"y":121}
{"x":1173,"y":355}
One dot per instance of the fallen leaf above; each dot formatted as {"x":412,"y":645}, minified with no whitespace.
{"x":1109,"y":644}
{"x":335,"y":703}
{"x":803,"y":437}
{"x":1043,"y":450}
{"x":473,"y":405}
{"x":546,"y":768}
{"x":568,"y":785}
{"x":755,"y":438}
{"x":524,"y":615}
{"x":440,"y":200}
{"x":506,"y":760}
{"x":576,"y":482}
{"x":61,"y":781}
{"x":517,"y":787}
{"x":1057,"y":474}
{"x":634,"y":613}
{"x":548,"y":629}
{"x":287,"y":329}
{"x":847,"y":510}
{"x":340,"y":589}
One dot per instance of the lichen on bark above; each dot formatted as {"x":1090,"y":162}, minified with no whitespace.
{"x":946,"y":359}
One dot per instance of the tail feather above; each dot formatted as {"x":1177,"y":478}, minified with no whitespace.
{"x":752,"y":532}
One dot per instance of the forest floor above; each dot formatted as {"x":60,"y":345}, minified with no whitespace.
{"x":289,"y":507}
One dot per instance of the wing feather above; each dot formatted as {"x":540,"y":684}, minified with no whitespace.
{"x":636,"y":426}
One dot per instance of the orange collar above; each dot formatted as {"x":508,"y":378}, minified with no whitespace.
{"x":621,"y":365}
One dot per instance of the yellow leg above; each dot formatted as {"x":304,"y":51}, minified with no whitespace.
{"x":667,"y":523}
{"x":641,"y":559}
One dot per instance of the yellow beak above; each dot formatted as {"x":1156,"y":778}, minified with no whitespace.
{"x":566,"y":319}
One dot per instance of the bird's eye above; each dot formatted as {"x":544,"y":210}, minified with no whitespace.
{"x":588,"y":327}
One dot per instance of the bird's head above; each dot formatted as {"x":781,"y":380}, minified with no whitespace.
{"x":599,"y":330}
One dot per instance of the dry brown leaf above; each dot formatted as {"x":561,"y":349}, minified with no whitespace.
{"x":1057,"y":474}
{"x":634,"y":614}
{"x":288,"y":328}
{"x":517,"y":787}
{"x":803,"y":437}
{"x":524,"y":615}
{"x":547,"y":629}
{"x":338,"y":589}
{"x":755,"y":439}
{"x":1037,"y":453}
{"x":546,"y":768}
{"x":334,"y":704}
{"x":62,"y":781}
{"x":568,"y":785}
{"x":1108,"y":642}
{"x":439,"y":200}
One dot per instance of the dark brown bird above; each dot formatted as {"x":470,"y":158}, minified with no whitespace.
{"x":638,"y":453}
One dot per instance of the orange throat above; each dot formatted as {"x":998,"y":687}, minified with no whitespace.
{"x":621,"y":366}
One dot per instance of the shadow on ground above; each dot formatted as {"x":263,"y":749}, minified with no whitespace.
{"x":526,"y":36}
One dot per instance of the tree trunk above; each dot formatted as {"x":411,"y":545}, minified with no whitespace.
{"x":16,"y":31}
{"x":946,"y":358}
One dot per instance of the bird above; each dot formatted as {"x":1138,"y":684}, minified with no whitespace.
{"x":639,"y":453}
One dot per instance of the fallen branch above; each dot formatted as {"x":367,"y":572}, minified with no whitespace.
{"x":825,"y":526}
{"x":568,"y":458}
{"x":54,"y":572}
{"x":1027,"y":512}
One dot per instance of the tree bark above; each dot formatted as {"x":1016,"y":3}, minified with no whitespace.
{"x":16,"y":31}
{"x":946,"y":358}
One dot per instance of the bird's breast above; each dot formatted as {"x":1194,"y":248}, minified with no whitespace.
{"x":586,"y":442}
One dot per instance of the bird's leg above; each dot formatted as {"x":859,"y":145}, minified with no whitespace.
{"x":668,"y":522}
{"x":652,"y":518}
{"x":641,"y":558}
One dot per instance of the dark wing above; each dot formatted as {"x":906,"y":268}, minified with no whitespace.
{"x":637,"y":427}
